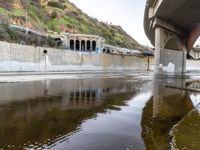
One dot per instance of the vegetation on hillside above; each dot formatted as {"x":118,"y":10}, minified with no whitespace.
{"x":62,"y":16}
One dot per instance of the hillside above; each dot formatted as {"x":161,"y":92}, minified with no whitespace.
{"x":58,"y":16}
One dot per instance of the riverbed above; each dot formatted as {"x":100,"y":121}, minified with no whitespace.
{"x":109,"y":111}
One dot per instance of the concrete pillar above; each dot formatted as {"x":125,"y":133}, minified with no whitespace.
{"x":74,"y":44}
{"x":168,"y":102}
{"x":68,"y":47}
{"x":90,"y":45}
{"x":170,"y":53}
{"x":184,"y":60}
{"x":79,"y":45}
{"x":159,"y":43}
{"x":99,"y":45}
{"x":67,"y":41}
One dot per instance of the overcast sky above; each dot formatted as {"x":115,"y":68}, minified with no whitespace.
{"x":126,"y":13}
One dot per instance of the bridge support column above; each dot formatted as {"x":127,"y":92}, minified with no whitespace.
{"x":170,"y":52}
{"x":169,"y":102}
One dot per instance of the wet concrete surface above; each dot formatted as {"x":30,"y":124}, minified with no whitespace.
{"x":125,"y":111}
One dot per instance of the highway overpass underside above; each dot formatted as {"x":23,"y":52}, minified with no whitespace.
{"x":172,"y":26}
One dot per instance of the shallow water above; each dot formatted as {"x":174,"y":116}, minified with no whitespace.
{"x":87,"y":112}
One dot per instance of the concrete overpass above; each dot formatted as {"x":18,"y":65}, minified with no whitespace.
{"x":172,"y":26}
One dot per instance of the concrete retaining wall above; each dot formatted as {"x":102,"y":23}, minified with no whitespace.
{"x":193,"y":65}
{"x":15,"y":57}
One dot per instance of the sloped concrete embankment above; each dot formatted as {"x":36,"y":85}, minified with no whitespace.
{"x":16,"y":57}
{"x":186,"y":133}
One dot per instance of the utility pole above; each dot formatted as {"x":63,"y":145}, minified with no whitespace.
{"x":26,"y":21}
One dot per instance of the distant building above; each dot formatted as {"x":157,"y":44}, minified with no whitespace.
{"x":195,"y":53}
{"x":82,"y":42}
{"x":126,"y":52}
{"x":121,"y":51}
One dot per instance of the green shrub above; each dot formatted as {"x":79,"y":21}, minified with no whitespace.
{"x":13,"y":34}
{"x":51,"y":41}
{"x":3,"y":34}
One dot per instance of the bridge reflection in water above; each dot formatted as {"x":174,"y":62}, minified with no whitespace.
{"x":164,"y":110}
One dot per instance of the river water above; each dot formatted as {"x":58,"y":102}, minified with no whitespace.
{"x":126,"y":111}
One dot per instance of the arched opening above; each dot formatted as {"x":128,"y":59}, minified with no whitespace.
{"x":88,"y":45}
{"x":172,"y":44}
{"x":82,"y":45}
{"x":71,"y":44}
{"x":104,"y":50}
{"x":194,"y":52}
{"x":77,"y":45}
{"x":108,"y":51}
{"x":94,"y":45}
{"x":172,"y":57}
{"x":58,"y":42}
{"x":193,"y":37}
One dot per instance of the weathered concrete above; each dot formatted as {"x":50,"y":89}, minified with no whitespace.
{"x":170,"y":53}
{"x":172,"y":61}
{"x":166,"y":100}
{"x":185,"y":134}
{"x":85,"y":42}
{"x":181,"y":16}
{"x":165,"y":19}
{"x":15,"y":58}
{"x":193,"y":65}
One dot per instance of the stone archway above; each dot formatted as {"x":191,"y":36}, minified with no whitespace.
{"x":172,"y":43}
{"x":58,"y":42}
{"x":77,"y":45}
{"x":71,"y":43}
{"x":88,"y":46}
{"x":94,"y":45}
{"x":172,"y":55}
{"x":82,"y":45}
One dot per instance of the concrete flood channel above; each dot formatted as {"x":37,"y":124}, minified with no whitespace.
{"x":110,"y":111}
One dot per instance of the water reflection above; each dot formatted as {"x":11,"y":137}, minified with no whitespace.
{"x":103,"y":113}
{"x":165,"y":109}
{"x":40,"y":114}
